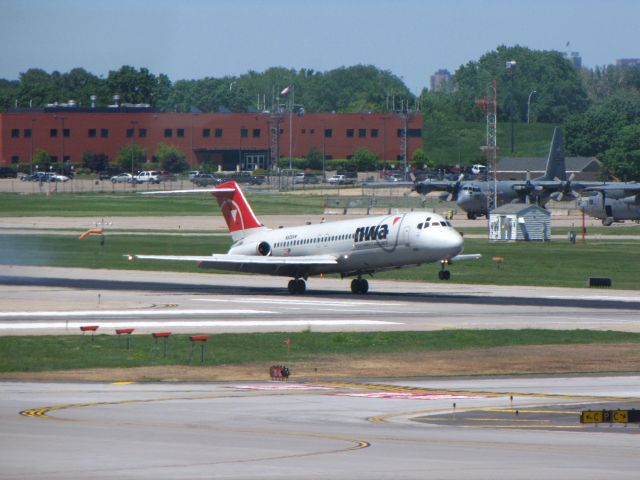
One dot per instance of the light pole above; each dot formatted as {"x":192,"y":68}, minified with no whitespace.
{"x":529,"y":104}
{"x":511,"y":68}
{"x":33,"y":121}
{"x":62,"y":119}
{"x":133,"y":134}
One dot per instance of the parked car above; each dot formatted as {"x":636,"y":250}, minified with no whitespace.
{"x":37,"y":177}
{"x":122,"y":178}
{"x":193,"y":173}
{"x":341,"y":180}
{"x":167,"y":177}
{"x":150,"y":176}
{"x":204,"y":180}
{"x":8,"y":172}
{"x":58,"y":178}
{"x":109,"y":172}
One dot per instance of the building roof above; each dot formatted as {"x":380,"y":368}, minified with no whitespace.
{"x":539,"y":164}
{"x":518,"y":209}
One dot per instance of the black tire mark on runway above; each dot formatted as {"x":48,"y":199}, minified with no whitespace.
{"x":177,"y":288}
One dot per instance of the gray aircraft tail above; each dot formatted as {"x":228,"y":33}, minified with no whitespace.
{"x":556,"y":169}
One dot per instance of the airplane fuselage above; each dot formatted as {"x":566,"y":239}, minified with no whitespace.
{"x":361,"y":245}
{"x":612,"y":209}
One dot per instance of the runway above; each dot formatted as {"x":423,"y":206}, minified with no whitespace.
{"x":404,"y":429}
{"x":47,"y":300}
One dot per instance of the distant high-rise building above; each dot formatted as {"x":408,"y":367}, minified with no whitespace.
{"x":628,"y":62}
{"x":439,"y":79}
{"x":575,"y":58}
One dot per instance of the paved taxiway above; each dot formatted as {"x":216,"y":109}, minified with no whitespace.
{"x":54,"y":300}
{"x":405,"y":429}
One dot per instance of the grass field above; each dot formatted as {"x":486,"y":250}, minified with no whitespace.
{"x":458,"y":143}
{"x":40,"y":353}
{"x":557,"y":263}
{"x":91,"y":204}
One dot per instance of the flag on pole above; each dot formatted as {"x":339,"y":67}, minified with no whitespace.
{"x":286,"y":89}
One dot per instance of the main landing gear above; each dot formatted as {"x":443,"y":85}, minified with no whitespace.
{"x":359,"y":286}
{"x":297,"y":286}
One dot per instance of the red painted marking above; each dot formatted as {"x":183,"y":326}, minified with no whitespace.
{"x":161,"y":334}
{"x":396,"y":220}
{"x":199,"y":338}
{"x":125,"y":331}
{"x":89,"y":328}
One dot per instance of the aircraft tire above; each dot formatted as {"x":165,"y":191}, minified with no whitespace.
{"x":359,"y":286}
{"x":292,"y":286}
{"x":444,"y":274}
{"x":301,"y":286}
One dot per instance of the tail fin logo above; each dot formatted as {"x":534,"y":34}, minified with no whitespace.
{"x":235,"y":208}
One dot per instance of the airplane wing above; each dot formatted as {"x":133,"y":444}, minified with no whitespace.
{"x":286,"y":266}
{"x":615,"y":187}
{"x":428,"y":186}
{"x":471,"y":256}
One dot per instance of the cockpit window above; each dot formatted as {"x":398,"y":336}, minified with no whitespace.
{"x":419,"y":226}
{"x":449,"y":224}
{"x":443,"y":224}
{"x":426,"y":225}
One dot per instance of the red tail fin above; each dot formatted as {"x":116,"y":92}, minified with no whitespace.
{"x":235,"y":208}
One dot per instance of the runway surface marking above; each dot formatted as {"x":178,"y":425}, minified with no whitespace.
{"x":194,"y":323}
{"x":324,"y":303}
{"x":409,"y":396}
{"x":123,"y":313}
{"x":280,"y":387}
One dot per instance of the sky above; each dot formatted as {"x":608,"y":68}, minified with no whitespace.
{"x":192,"y":39}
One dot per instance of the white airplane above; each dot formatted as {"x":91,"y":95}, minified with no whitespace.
{"x":351,"y":248}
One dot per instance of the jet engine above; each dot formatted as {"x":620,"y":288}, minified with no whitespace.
{"x":264,"y":249}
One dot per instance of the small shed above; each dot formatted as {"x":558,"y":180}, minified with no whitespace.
{"x":517,"y":221}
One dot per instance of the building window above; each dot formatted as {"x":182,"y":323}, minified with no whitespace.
{"x":399,"y":157}
{"x":206,"y":132}
{"x":15,"y":159}
{"x":104,"y":133}
{"x":129,"y":132}
{"x":256,"y":133}
{"x":53,"y":133}
{"x":349,"y":157}
{"x":66,"y":132}
{"x":168,"y":133}
{"x":328,"y":157}
{"x":374,"y":133}
{"x":91,"y":133}
{"x":27,"y":133}
{"x":362,"y":132}
{"x":15,"y":133}
{"x":244,"y":133}
{"x":180,"y":132}
{"x":312,"y":131}
{"x":218,"y":132}
{"x":304,"y":130}
{"x":349,"y":132}
{"x":411,"y":132}
{"x":142,"y":133}
{"x":328,"y":133}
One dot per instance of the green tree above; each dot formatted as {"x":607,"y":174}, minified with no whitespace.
{"x":314,"y":159}
{"x":131,"y":157}
{"x":421,"y":160}
{"x":365,"y":160}
{"x":622,"y":160}
{"x":171,"y":158}
{"x":41,"y":160}
{"x":95,"y":162}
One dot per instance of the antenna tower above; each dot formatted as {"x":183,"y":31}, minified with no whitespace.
{"x":489,"y":105}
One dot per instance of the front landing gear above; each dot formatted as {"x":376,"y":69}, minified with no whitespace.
{"x":297,"y":286}
{"x":359,"y":286}
{"x":444,"y":274}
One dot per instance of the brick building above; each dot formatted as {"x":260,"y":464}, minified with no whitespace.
{"x":230,"y":140}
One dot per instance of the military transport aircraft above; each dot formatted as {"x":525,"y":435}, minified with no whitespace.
{"x":351,"y":248}
{"x":471,"y":196}
{"x":612,"y":202}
